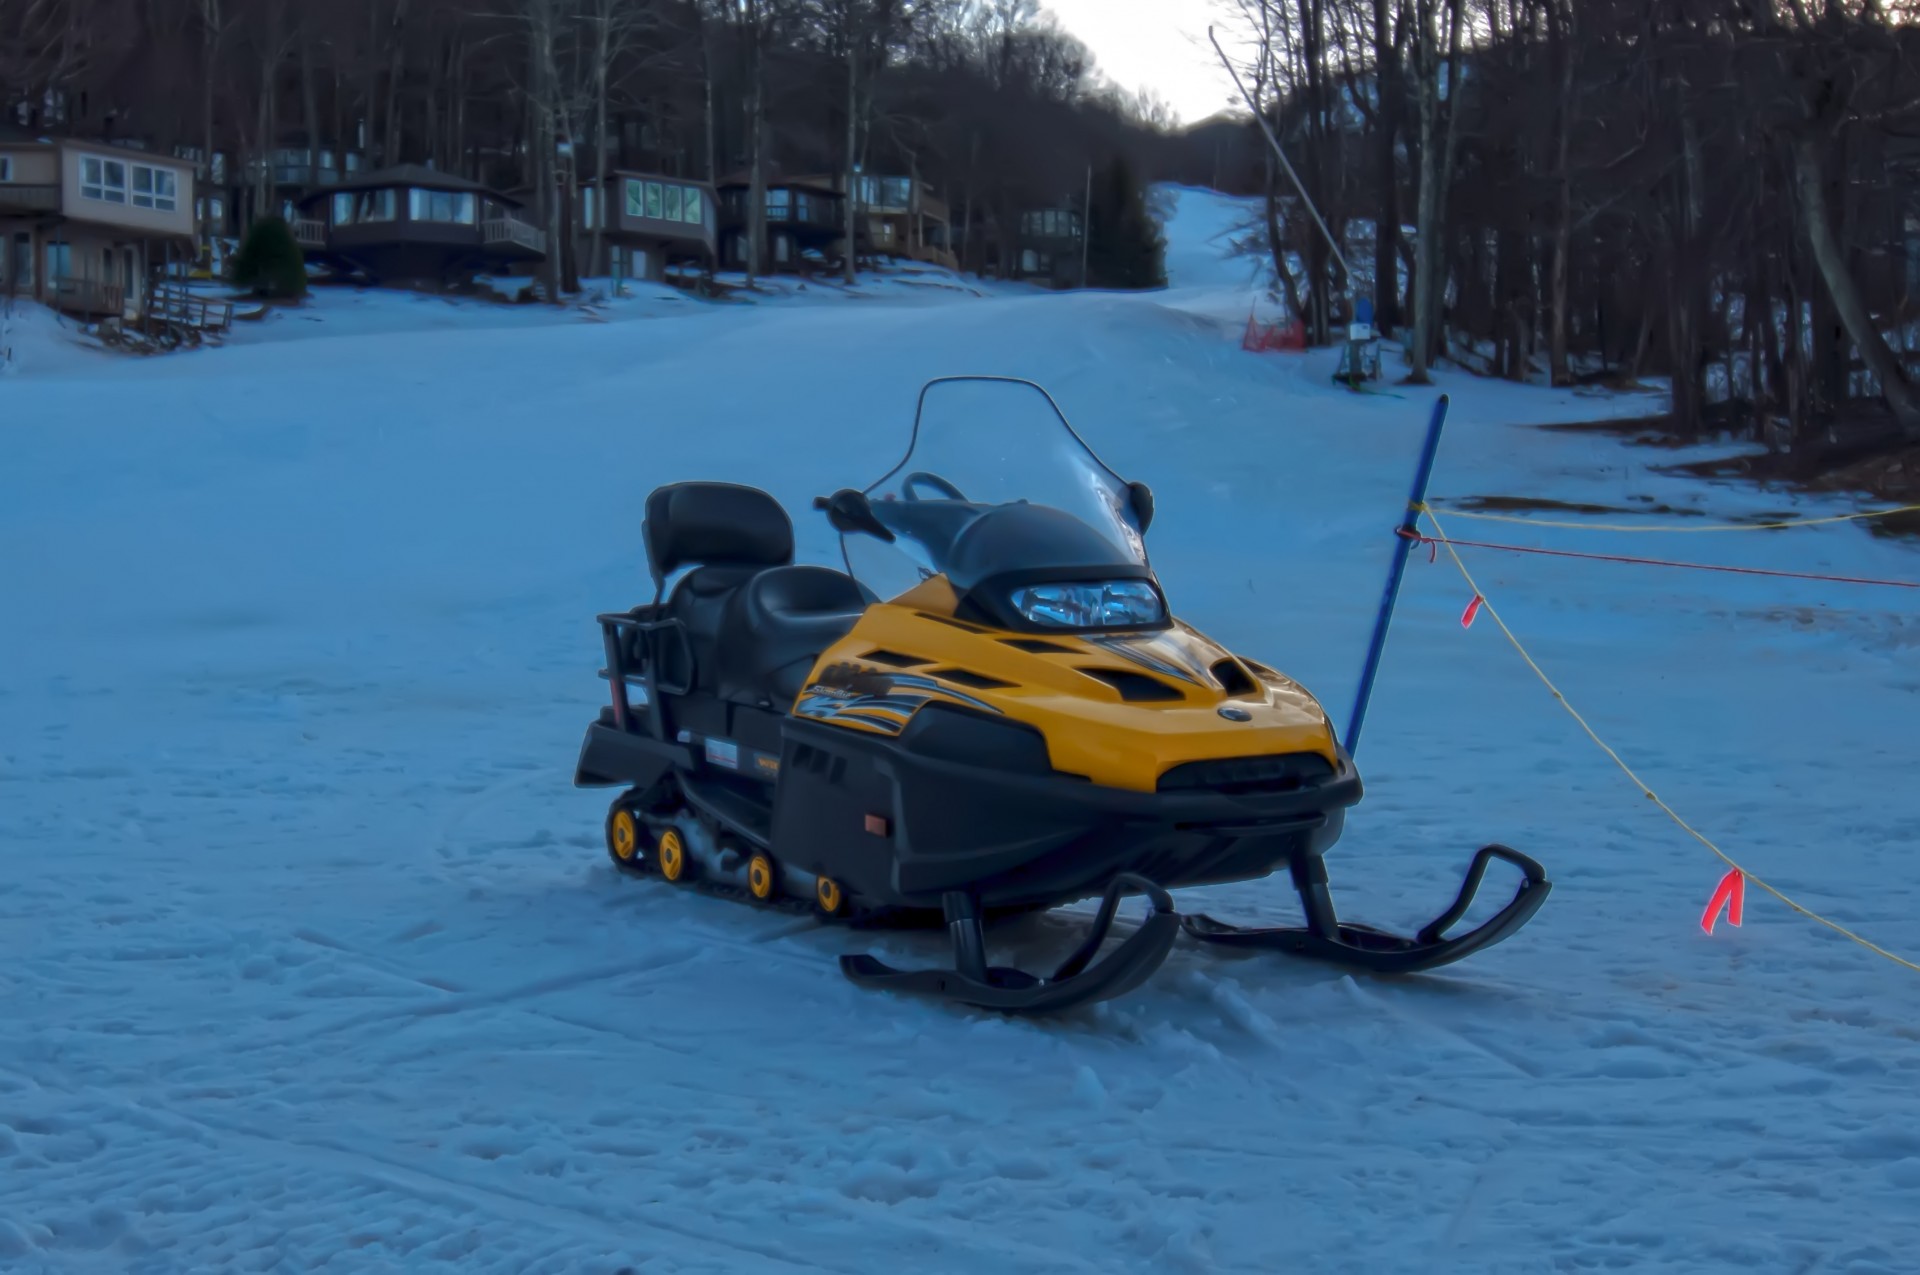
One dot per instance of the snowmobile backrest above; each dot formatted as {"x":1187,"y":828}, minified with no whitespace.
{"x":714,"y":525}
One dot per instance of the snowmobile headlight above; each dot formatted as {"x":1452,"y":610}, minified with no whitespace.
{"x":1092,"y":604}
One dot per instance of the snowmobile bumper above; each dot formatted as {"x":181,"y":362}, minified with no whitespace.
{"x":1364,"y":948}
{"x":1078,"y":981}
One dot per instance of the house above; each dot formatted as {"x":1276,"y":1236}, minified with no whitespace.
{"x":1047,"y":245}
{"x":650,"y":222}
{"x":897,"y":217}
{"x":412,"y":224}
{"x":289,"y":173}
{"x":84,"y":226}
{"x":804,"y":215}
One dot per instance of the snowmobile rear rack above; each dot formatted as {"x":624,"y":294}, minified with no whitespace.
{"x":1364,"y":948}
{"x":1011,"y":991}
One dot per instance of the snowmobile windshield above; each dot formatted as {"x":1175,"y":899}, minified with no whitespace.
{"x":997,"y":489}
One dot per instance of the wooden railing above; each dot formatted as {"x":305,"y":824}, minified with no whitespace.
{"x":499,"y":230}
{"x":310,"y":232}
{"x":34,"y":198}
{"x":88,"y":296}
{"x":176,"y":304}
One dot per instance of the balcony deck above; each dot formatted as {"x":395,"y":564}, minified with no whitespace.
{"x":18,"y":197}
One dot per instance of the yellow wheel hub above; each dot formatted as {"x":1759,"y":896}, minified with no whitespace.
{"x":827,"y":893}
{"x":624,"y":837}
{"x":760,"y":877}
{"x":673,"y":856}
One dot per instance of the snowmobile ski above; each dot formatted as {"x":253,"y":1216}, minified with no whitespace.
{"x":1011,"y":991}
{"x":1361,"y":947}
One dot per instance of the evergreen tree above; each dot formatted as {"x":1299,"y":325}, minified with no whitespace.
{"x":270,"y":261}
{"x":1125,"y":247}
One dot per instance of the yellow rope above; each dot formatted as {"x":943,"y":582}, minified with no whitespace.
{"x":1487,"y":606}
{"x":1679,"y":526}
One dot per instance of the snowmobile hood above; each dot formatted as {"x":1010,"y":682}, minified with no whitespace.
{"x":1120,"y":709}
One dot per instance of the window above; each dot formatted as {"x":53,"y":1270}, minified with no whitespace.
{"x":673,"y":203}
{"x":379,"y":205}
{"x":587,"y":194}
{"x":777,"y":204}
{"x":155,"y":188}
{"x":782,"y":249}
{"x":690,"y":210}
{"x":451,"y":207}
{"x":103,"y":179}
{"x":343,"y":209}
{"x":636,"y":198}
{"x":6,"y":168}
{"x":1051,"y":223}
{"x":656,"y":201}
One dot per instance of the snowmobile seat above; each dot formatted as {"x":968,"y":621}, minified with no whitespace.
{"x":755,"y":623}
{"x":714,"y":525}
{"x":776,"y":626}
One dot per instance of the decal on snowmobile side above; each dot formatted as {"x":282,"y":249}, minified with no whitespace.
{"x":882,"y":700}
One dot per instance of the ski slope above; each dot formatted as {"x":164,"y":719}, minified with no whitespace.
{"x":311,"y":958}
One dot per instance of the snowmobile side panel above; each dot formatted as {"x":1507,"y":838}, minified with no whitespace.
{"x":966,"y":801}
{"x":1118,"y":709}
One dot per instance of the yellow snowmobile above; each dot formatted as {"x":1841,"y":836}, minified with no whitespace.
{"x":990,"y":710}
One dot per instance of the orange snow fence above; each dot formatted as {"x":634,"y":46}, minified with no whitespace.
{"x":1261,"y":337}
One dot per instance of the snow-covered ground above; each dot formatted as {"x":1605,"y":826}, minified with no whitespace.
{"x":310,"y":957}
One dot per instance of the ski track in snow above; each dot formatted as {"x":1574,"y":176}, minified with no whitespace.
{"x":313,"y":959}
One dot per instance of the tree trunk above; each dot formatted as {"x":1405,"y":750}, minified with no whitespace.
{"x":1386,"y":239}
{"x":602,"y":60}
{"x":756,"y":144}
{"x":309,"y":99}
{"x":1827,"y":256}
{"x":210,"y":42}
{"x":436,"y":71}
{"x":852,"y":201}
{"x":1426,"y":228}
{"x":390,"y":147}
{"x":457,"y":113}
{"x":1456,"y":90}
{"x":706,"y":76}
{"x":263,"y":140}
{"x":1276,"y":245}
{"x":1560,"y":24}
{"x":543,"y":140}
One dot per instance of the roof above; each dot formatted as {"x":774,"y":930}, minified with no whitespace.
{"x":416,"y":175}
{"x":744,"y":181}
{"x":11,"y":135}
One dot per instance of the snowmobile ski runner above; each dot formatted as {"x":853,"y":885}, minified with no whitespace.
{"x":990,"y":711}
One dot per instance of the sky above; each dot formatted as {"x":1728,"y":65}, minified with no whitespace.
{"x":1156,"y":44}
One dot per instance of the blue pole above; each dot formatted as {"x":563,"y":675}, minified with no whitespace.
{"x":1402,"y":546}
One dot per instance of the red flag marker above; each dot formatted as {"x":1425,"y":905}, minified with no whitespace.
{"x":1732,"y":891}
{"x":1473,"y":609}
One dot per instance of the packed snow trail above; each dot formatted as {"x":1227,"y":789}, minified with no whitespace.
{"x":313,"y":959}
